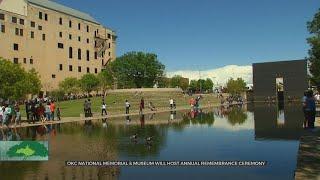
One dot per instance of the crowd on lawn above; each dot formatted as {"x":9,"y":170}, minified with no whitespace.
{"x":37,"y":109}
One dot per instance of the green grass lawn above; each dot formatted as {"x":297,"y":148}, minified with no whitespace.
{"x":115,"y":103}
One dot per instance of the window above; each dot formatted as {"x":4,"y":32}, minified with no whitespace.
{"x":70,"y":36}
{"x":1,"y":16}
{"x":109,"y":45}
{"x":79,"y":38}
{"x":88,"y":40}
{"x":60,"y":45}
{"x":14,"y":19}
{"x":32,"y":34}
{"x":88,"y":55}
{"x":53,"y":76}
{"x":46,"y":17}
{"x":79,"y":68}
{"x":3,"y":28}
{"x":32,"y":24}
{"x":60,"y":67}
{"x":95,"y":55}
{"x":17,"y":31}
{"x":109,"y":53}
{"x":60,"y":34}
{"x":15,"y":47}
{"x":88,"y":70}
{"x":109,"y":36}
{"x":21,"y":21}
{"x":70,"y":24}
{"x":15,"y":60}
{"x":40,"y":15}
{"x":21,"y":32}
{"x":60,"y":21}
{"x":31,"y":61}
{"x":95,"y":70}
{"x":70,"y":52}
{"x":25,"y":60}
{"x":87,"y":28}
{"x":79,"y":26}
{"x":40,"y":28}
{"x":70,"y":67}
{"x":43,"y":37}
{"x":79,"y":54}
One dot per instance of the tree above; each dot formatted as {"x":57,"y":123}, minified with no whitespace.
{"x":58,"y":94}
{"x":179,"y":81}
{"x":235,"y":87}
{"x":70,"y":85}
{"x":193,"y":86}
{"x":106,"y":80}
{"x":15,"y":82}
{"x":314,"y":52}
{"x":89,"y":82}
{"x":137,"y":69}
{"x":207,"y":85}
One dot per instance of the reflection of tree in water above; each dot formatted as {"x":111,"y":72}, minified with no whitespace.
{"x":194,"y":118}
{"x":236,"y":116}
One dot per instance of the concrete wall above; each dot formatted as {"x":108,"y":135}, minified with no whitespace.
{"x":294,"y":75}
{"x":14,"y":6}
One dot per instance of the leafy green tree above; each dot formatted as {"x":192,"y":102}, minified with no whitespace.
{"x":193,"y":86}
{"x":58,"y":94}
{"x":179,"y":81}
{"x":15,"y":82}
{"x":89,"y":82}
{"x":235,"y":87}
{"x":70,"y":85}
{"x":207,"y":85}
{"x":106,"y":80}
{"x":314,"y":52}
{"x":137,"y":69}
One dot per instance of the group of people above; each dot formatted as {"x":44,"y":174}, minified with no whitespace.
{"x":9,"y":113}
{"x":309,"y":109}
{"x":42,"y":110}
{"x":195,"y":103}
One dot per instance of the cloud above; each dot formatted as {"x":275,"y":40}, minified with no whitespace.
{"x":219,"y":75}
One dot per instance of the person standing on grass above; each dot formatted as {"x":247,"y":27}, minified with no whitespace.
{"x":127,"y":105}
{"x":47,"y":112}
{"x":59,"y":113}
{"x":141,"y":107}
{"x":18,"y":114}
{"x":103,"y":109}
{"x":171,"y":103}
{"x":89,"y":108}
{"x":52,"y":109}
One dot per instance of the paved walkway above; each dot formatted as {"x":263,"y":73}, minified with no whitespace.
{"x":308,"y":165}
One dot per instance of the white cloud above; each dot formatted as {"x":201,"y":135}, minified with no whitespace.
{"x":219,"y":75}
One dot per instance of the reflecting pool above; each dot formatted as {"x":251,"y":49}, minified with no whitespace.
{"x":253,"y":132}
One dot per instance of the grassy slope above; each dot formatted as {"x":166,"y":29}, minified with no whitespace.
{"x":115,"y":102}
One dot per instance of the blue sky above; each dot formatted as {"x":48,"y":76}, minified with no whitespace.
{"x":206,"y":34}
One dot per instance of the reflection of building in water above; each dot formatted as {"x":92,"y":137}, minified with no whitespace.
{"x":267,"y":121}
{"x":72,"y":144}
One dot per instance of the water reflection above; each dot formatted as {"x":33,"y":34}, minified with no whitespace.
{"x":278,"y":122}
{"x":195,"y":133}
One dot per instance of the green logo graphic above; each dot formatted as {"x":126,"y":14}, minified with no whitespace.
{"x":23,"y":150}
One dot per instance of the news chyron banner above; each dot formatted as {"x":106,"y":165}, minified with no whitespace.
{"x":24,"y":151}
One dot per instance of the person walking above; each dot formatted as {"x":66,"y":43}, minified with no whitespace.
{"x":103,"y":109}
{"x":127,"y":105}
{"x":141,"y":107}
{"x":47,"y":113}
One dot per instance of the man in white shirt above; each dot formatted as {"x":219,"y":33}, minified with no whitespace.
{"x":127,"y":105}
{"x":171,"y":103}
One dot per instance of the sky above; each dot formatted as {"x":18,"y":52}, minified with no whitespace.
{"x":206,"y":34}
